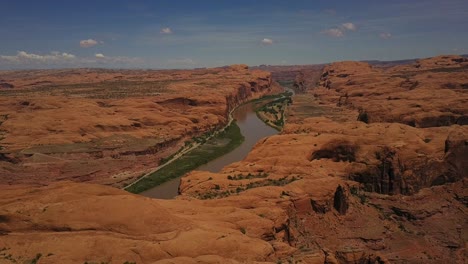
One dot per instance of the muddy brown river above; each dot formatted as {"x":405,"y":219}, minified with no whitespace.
{"x":253,"y":130}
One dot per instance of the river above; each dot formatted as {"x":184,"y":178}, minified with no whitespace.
{"x":253,"y":130}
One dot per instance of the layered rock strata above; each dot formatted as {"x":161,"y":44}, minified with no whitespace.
{"x":331,"y":188}
{"x":109,"y":126}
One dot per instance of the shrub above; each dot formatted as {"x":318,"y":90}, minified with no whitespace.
{"x":243,"y":231}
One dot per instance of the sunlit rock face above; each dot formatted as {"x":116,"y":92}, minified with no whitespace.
{"x":111,"y":126}
{"x":335,"y":186}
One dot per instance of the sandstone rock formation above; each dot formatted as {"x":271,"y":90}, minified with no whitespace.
{"x":77,"y":223}
{"x":357,"y":182}
{"x":429,"y":93}
{"x":349,"y":180}
{"x":109,"y":126}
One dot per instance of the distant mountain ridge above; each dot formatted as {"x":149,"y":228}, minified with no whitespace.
{"x":385,"y":63}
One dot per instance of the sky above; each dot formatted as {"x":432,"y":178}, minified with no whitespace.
{"x":196,"y":33}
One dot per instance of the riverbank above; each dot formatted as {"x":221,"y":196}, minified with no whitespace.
{"x":272,"y":113}
{"x":201,"y":150}
{"x":222,"y":143}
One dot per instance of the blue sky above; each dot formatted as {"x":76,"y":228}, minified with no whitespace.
{"x":188,"y":34}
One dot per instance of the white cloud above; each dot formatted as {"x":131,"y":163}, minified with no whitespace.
{"x":23,"y":56}
{"x":385,"y":35}
{"x":68,"y":55}
{"x":334,"y":32}
{"x":166,"y":31}
{"x":349,"y":26}
{"x":339,"y":31}
{"x":88,"y":43}
{"x":267,"y":41}
{"x":55,"y":59}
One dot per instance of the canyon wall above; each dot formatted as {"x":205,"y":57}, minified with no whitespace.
{"x":109,"y":126}
{"x":357,"y":190}
{"x":334,"y":186}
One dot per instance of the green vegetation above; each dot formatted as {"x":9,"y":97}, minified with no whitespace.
{"x":36,"y":259}
{"x":269,"y":97}
{"x":11,"y":259}
{"x":243,"y":231}
{"x":287,"y":83}
{"x":359,"y":194}
{"x":204,"y":137}
{"x":216,"y":193}
{"x":102,"y":262}
{"x":219,"y":145}
{"x":168,"y":158}
{"x":212,"y":146}
{"x":6,"y":256}
{"x":272,"y":113}
{"x":248,"y":176}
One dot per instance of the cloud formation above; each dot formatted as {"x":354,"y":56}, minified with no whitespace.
{"x":88,"y":43}
{"x":339,"y":31}
{"x":23,"y":56}
{"x":385,"y":35}
{"x":166,"y":31}
{"x":349,"y":26}
{"x":334,"y":32}
{"x":267,"y":41}
{"x":57,"y":59}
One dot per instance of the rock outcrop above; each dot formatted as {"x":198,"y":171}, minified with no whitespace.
{"x":356,"y":191}
{"x":428,"y":93}
{"x":77,"y":223}
{"x":108,"y":126}
{"x":328,"y":189}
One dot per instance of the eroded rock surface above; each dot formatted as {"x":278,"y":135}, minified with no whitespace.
{"x":329,"y":189}
{"x":74,"y":223}
{"x":429,"y":93}
{"x":358,"y":183}
{"x":109,"y":126}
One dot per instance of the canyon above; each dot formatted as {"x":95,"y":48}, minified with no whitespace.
{"x":111,"y":126}
{"x":370,"y":166}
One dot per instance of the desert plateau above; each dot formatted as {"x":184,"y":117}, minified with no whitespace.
{"x":323,"y":158}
